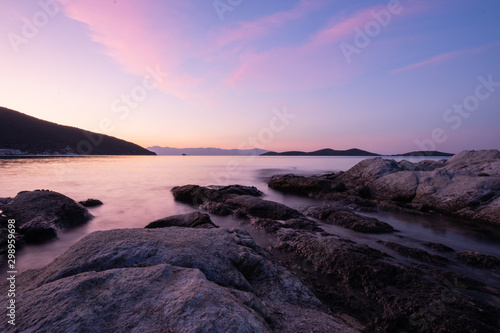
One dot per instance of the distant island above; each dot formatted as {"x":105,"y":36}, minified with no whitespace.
{"x":206,"y":151}
{"x":351,"y":152}
{"x":21,"y":134}
{"x":425,"y":153}
{"x":323,"y":152}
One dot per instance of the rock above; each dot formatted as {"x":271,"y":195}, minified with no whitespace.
{"x":467,"y":185}
{"x":415,"y":253}
{"x":477,"y":259}
{"x":40,"y":215}
{"x":196,"y":195}
{"x":399,"y":186}
{"x":438,"y":247}
{"x":258,"y":207}
{"x":359,"y":223}
{"x":241,"y":201}
{"x":191,"y":220}
{"x":334,"y":214}
{"x":167,"y":280}
{"x":385,"y":297}
{"x":4,"y":201}
{"x":354,"y":279}
{"x":91,"y":203}
{"x":305,"y":185}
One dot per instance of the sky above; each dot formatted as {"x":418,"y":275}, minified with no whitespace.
{"x":384,"y":76}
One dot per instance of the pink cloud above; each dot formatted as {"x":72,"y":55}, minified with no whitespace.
{"x":316,"y":63}
{"x":257,"y":28}
{"x":433,"y":60}
{"x":446,"y":56}
{"x":124,"y":29}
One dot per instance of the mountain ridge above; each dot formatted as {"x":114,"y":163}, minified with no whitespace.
{"x":209,"y":151}
{"x":24,"y":134}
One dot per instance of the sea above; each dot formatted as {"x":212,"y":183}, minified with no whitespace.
{"x":136,"y":190}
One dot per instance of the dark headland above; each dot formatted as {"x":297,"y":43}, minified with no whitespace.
{"x":21,"y":134}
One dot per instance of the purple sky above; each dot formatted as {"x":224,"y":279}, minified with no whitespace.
{"x":385,"y":76}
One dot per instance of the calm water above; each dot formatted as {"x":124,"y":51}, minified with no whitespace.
{"x":136,"y":191}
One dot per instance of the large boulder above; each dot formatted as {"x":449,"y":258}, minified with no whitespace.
{"x":167,"y":280}
{"x":40,"y":215}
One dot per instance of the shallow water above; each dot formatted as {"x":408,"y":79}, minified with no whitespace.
{"x":136,"y":191}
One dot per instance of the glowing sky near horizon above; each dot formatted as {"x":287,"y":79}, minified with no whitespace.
{"x":384,"y":76}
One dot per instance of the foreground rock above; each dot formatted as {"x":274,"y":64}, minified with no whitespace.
{"x":40,"y":215}
{"x":467,"y":185}
{"x":191,"y":220}
{"x":167,"y":280}
{"x":385,"y":294}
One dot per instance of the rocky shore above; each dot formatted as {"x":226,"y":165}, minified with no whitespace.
{"x":185,"y":274}
{"x":467,"y":186}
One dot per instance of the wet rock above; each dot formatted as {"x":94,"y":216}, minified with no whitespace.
{"x":385,"y":297}
{"x":167,"y":280}
{"x":196,"y":195}
{"x":467,"y":185}
{"x":333,"y":214}
{"x":305,"y":185}
{"x":415,"y":253}
{"x":438,"y":247}
{"x":191,"y":220}
{"x":271,"y":227}
{"x":354,"y":279}
{"x":258,"y":207}
{"x":40,"y":215}
{"x":477,"y":259}
{"x":359,"y":223}
{"x":238,"y":200}
{"x":91,"y":203}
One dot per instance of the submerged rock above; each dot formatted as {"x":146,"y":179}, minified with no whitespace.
{"x":40,"y":215}
{"x":167,"y":280}
{"x":191,"y":220}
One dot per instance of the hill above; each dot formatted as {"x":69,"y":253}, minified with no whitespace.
{"x":34,"y":136}
{"x":425,"y":153}
{"x":206,"y":151}
{"x":324,"y":152}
